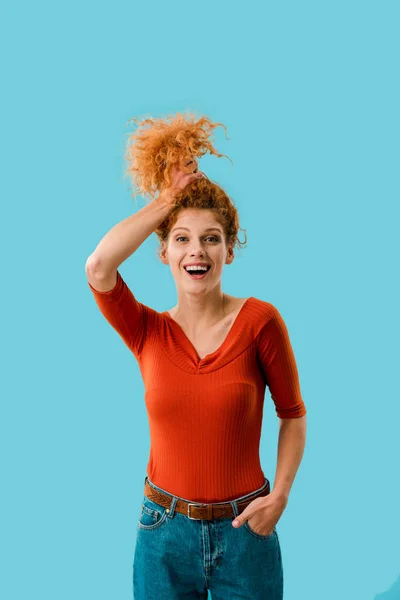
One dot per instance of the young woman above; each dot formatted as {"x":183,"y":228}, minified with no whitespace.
{"x":205,"y":364}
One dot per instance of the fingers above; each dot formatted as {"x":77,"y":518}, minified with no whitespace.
{"x":198,"y":175}
{"x":180,"y":179}
{"x":188,"y":166}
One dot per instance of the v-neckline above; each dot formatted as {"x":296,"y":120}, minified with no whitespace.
{"x":222,"y":345}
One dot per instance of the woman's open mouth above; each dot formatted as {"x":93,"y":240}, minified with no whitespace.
{"x":197,"y":273}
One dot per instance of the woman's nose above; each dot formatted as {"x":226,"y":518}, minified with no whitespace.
{"x":197,"y":249}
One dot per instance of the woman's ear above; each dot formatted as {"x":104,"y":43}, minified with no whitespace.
{"x":163,"y":253}
{"x":230,"y":255}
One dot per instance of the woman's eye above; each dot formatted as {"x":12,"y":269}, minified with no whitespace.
{"x":213,"y":237}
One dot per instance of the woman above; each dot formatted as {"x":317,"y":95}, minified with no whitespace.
{"x":205,"y":364}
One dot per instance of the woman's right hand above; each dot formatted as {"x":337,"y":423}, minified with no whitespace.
{"x":181,"y":176}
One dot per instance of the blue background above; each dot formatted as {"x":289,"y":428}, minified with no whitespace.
{"x":309,"y":93}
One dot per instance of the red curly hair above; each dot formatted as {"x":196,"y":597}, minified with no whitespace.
{"x":156,"y":146}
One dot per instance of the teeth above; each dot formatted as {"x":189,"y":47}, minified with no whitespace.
{"x":196,"y":268}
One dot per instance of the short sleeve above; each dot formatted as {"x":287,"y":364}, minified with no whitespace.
{"x":124,"y":313}
{"x":278,"y":363}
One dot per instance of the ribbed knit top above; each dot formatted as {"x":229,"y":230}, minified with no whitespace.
{"x":205,"y":414}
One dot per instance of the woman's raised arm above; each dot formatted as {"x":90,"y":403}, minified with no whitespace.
{"x":125,"y":238}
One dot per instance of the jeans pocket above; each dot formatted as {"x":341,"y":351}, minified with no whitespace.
{"x":259,"y":535}
{"x":152,"y":515}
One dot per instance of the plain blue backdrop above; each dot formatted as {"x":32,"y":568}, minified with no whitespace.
{"x":309,"y":93}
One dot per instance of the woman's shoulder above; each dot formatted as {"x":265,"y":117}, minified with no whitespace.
{"x":259,"y":312}
{"x":265,"y":306}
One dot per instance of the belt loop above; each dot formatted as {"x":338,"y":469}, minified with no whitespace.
{"x":234,"y":507}
{"x":171,"y":510}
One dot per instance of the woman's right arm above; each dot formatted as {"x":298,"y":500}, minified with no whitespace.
{"x":121,"y":241}
{"x":126,"y":237}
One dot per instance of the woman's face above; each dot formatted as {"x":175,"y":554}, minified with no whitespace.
{"x":196,"y":237}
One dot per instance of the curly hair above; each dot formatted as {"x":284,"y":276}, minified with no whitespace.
{"x":157,"y":145}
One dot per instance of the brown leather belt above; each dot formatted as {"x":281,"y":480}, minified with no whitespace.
{"x":198,"y":510}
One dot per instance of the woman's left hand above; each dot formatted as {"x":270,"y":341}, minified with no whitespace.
{"x":263,"y":513}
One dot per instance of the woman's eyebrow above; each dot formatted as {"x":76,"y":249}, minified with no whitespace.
{"x":208,"y":229}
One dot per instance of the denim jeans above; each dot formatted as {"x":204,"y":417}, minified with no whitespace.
{"x":177,"y":557}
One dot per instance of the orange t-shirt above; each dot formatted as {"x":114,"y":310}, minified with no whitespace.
{"x":205,"y":415}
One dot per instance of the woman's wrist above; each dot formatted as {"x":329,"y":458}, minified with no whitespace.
{"x":165,"y":198}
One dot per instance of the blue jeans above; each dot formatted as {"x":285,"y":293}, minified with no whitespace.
{"x":177,"y":557}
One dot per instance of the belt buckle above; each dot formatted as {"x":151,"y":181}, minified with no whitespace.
{"x":188,"y":512}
